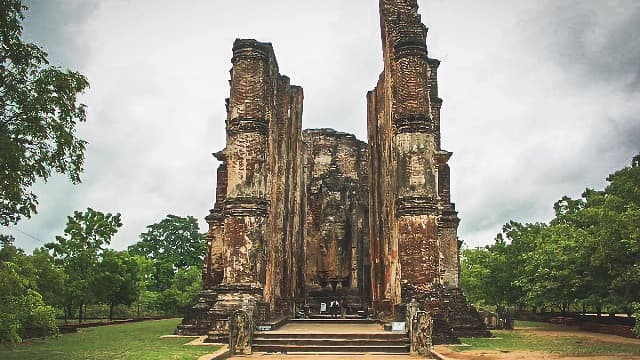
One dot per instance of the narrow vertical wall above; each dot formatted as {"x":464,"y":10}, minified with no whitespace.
{"x":414,"y":244}
{"x":246,"y":203}
{"x":213,"y":271}
{"x":255,"y":234}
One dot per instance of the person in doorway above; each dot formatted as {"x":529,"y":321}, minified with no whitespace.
{"x":334,"y":308}
{"x":343,"y":308}
{"x":307,"y":308}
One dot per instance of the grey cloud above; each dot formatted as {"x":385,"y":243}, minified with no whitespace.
{"x":539,"y":100}
{"x":597,"y":41}
{"x":56,"y":25}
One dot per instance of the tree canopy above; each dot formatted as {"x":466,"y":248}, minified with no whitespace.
{"x":587,"y":256}
{"x":174,"y":243}
{"x":79,"y":251}
{"x":23,"y":307}
{"x":40,"y":111}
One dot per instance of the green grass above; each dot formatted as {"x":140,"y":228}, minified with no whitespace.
{"x":506,"y":341}
{"x":519,"y":324}
{"x":127,"y":341}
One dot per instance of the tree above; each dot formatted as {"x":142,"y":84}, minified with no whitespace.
{"x":116,"y":279}
{"x":174,"y":243}
{"x":80,"y":249}
{"x":40,"y":111}
{"x":474,"y":273}
{"x":183,"y":292}
{"x":589,"y":254}
{"x":50,"y":278}
{"x":553,"y":272}
{"x":22,"y":306}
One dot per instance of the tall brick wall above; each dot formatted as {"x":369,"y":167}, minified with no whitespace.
{"x":255,"y":237}
{"x":415,"y":248}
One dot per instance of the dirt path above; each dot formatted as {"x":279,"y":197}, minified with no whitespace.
{"x":521,"y":355}
{"x":551,"y":332}
{"x":575,"y":331}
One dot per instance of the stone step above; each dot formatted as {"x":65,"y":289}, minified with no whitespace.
{"x":327,"y":316}
{"x":386,"y":349}
{"x":319,"y":342}
{"x":330,"y":342}
{"x":390,"y":336}
{"x":324,"y":320}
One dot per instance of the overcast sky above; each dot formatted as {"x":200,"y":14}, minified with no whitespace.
{"x":541,"y":98}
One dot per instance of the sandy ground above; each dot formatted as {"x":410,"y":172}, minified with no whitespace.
{"x":521,"y":355}
{"x":517,"y":355}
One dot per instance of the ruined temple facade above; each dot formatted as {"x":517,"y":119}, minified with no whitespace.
{"x":303,"y":216}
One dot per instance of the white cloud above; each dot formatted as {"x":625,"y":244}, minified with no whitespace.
{"x":525,"y":126}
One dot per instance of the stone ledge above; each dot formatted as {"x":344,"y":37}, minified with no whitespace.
{"x":222,"y":353}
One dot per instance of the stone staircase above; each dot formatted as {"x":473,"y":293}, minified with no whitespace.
{"x":331,"y":342}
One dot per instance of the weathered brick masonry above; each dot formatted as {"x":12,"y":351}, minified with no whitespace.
{"x":302,"y":216}
{"x":255,"y":228}
{"x":415,"y":248}
{"x":336,"y":232}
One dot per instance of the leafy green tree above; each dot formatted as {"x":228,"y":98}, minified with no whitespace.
{"x":173,"y":244}
{"x":40,"y":111}
{"x":50,"y":278}
{"x":116,"y":279}
{"x":183,"y":292}
{"x":22,"y":306}
{"x":588,"y":255}
{"x":86,"y":236}
{"x":553,"y":272}
{"x":611,"y":218}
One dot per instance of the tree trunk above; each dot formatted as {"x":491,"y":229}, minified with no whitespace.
{"x":81,"y":313}
{"x":111,"y":311}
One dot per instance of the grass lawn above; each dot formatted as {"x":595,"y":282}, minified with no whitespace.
{"x":127,"y":341}
{"x":523,"y":340}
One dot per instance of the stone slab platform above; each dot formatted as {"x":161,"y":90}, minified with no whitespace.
{"x":327,"y":356}
{"x":335,"y":327}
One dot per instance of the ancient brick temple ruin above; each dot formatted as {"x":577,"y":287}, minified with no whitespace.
{"x":302,"y":217}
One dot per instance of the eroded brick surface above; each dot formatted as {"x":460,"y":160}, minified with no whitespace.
{"x":336,"y":232}
{"x":306,"y":215}
{"x":414,"y":243}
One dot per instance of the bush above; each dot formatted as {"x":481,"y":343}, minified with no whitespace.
{"x":26,"y":316}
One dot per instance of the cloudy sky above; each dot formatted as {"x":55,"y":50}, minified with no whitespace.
{"x":541,"y":98}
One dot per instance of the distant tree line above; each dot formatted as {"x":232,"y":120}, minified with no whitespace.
{"x":159,"y":275}
{"x":586,"y":259}
{"x":78,"y":275}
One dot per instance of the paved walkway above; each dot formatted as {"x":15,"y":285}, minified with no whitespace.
{"x":264,"y":356}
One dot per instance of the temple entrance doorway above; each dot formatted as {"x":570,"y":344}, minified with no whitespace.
{"x":336,"y":229}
